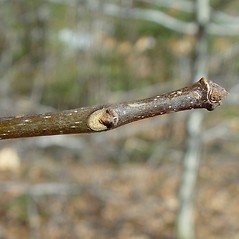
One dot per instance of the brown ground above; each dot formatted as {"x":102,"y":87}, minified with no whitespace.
{"x":130,"y":201}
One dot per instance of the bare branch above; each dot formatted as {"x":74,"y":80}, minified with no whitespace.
{"x":182,"y":5}
{"x":165,"y":20}
{"x":224,"y":18}
{"x":150,"y":15}
{"x":203,"y":94}
{"x":40,"y":189}
{"x":228,"y":29}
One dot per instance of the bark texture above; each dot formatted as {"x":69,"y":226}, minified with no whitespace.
{"x":202,"y":94}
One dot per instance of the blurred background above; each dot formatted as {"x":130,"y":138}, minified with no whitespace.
{"x":173,"y":176}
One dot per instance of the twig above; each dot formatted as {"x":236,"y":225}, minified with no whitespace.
{"x":150,"y":15}
{"x":181,"y":5}
{"x":203,"y":94}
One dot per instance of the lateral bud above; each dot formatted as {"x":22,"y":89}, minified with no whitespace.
{"x":102,"y":119}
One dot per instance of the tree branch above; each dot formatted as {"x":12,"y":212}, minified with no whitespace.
{"x":225,"y":29}
{"x":181,"y":5}
{"x":224,"y":18}
{"x":149,"y":15}
{"x":203,"y":94}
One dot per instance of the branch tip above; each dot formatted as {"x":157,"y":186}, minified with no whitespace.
{"x":215,"y":93}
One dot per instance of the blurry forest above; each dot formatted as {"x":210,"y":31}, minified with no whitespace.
{"x":122,"y":184}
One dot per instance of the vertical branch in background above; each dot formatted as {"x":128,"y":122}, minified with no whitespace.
{"x":185,"y":222}
{"x":7,"y":51}
{"x":33,"y":217}
{"x":31,"y":19}
{"x":40,"y":27}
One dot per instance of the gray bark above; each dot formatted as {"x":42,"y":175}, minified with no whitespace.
{"x":185,"y":222}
